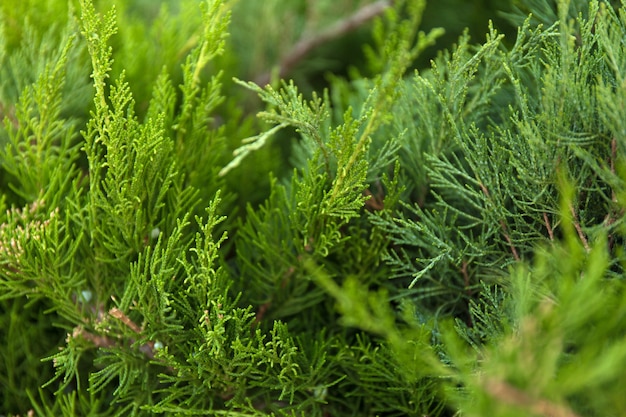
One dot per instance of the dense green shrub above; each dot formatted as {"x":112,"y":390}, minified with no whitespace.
{"x":441,"y":241}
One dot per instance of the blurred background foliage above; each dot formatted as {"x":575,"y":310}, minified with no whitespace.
{"x":262,"y":31}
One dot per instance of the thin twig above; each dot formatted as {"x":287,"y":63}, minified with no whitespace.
{"x":96,"y":340}
{"x":579,"y":229}
{"x":376,"y":202}
{"x":509,"y":241}
{"x":466,"y":278}
{"x":547,"y":221}
{"x":261,"y":312}
{"x":118,"y":314}
{"x":340,"y":28}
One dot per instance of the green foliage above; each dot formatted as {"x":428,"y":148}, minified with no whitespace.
{"x":444,"y":241}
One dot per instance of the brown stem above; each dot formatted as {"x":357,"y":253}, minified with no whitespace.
{"x":147,"y":348}
{"x":466,"y":278}
{"x":340,"y":28}
{"x":376,"y":202}
{"x":509,"y":241}
{"x":97,"y":340}
{"x":547,"y":221}
{"x":261,"y":312}
{"x":579,"y":229}
{"x":118,"y":314}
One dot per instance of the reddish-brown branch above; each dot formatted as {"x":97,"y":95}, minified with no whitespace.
{"x":305,"y":45}
{"x":118,"y":314}
{"x":261,"y":312}
{"x":376,"y":202}
{"x":509,"y":241}
{"x":96,"y":340}
{"x":466,"y":278}
{"x":484,"y":190}
{"x":579,"y":229}
{"x":547,"y":221}
{"x":101,"y":341}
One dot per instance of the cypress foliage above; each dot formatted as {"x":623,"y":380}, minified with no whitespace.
{"x":447,"y":241}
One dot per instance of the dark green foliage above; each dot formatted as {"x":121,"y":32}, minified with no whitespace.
{"x":445,"y":241}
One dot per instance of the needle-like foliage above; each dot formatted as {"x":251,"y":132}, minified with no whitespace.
{"x":444,"y":241}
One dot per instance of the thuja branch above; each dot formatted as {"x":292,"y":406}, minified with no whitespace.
{"x":305,"y":45}
{"x":97,"y":32}
{"x":359,"y":150}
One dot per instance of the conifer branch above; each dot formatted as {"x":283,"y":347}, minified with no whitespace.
{"x":307,"y":44}
{"x":102,"y":341}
